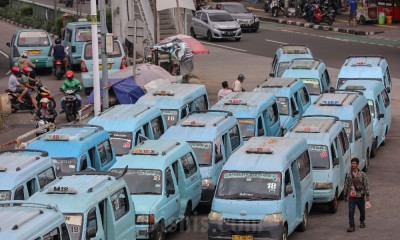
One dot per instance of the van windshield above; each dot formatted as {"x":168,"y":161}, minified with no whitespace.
{"x":65,"y":165}
{"x":142,"y":181}
{"x":122,"y":142}
{"x":33,"y":39}
{"x":203,"y":151}
{"x":348,"y":126}
{"x":247,"y":127}
{"x":283,"y":105}
{"x":281,"y":68}
{"x":88,"y":51}
{"x":255,"y":186}
{"x":319,"y":156}
{"x":84,"y":34}
{"x":312,"y":85}
{"x":5,"y":195}
{"x":74,"y":222}
{"x":170,"y":116}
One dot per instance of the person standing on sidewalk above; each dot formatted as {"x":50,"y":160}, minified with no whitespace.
{"x":237,"y":85}
{"x":353,"y":12}
{"x":356,"y":191}
{"x":224,"y":91}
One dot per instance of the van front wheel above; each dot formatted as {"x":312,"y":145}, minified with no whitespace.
{"x":333,"y":205}
{"x":160,"y":234}
{"x":186,"y":220}
{"x":303,"y":225}
{"x":284,"y":233}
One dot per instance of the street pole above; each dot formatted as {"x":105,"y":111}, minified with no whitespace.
{"x":103,"y":25}
{"x":134,"y":40}
{"x":95,"y":48}
{"x":55,"y":12}
{"x":179,"y":18}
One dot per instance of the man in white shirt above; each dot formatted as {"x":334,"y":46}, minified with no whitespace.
{"x":237,"y":85}
{"x":15,"y":86}
{"x":224,"y":91}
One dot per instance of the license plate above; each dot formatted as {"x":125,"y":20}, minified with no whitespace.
{"x":108,"y":66}
{"x":242,"y":237}
{"x":33,"y":52}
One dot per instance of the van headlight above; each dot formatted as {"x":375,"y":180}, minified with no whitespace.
{"x":207,"y":183}
{"x":215,"y":216}
{"x":323,"y":185}
{"x":273,"y":218}
{"x":145,"y":219}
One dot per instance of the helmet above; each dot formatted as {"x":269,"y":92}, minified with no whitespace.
{"x":27,"y":69}
{"x":58,"y":41}
{"x":24,"y":54}
{"x":15,"y":70}
{"x":69,"y":74}
{"x":44,"y":102}
{"x":241,"y":77}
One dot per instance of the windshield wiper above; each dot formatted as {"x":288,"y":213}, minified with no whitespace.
{"x":261,"y":198}
{"x":146,"y":193}
{"x":204,"y":164}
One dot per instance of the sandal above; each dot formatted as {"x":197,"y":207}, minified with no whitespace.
{"x":362,"y":225}
{"x":19,"y":100}
{"x":351,"y":229}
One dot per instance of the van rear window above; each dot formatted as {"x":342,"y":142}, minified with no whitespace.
{"x":170,"y":116}
{"x":88,"y":51}
{"x":33,"y":39}
{"x":65,"y":165}
{"x":312,"y":85}
{"x":5,"y":195}
{"x":203,"y":151}
{"x":283,"y":105}
{"x":247,"y":127}
{"x":348,"y":126}
{"x":83,"y":34}
{"x":122,"y":142}
{"x":319,"y":156}
{"x":74,"y":222}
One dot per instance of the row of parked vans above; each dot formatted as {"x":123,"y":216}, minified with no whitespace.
{"x":172,"y":156}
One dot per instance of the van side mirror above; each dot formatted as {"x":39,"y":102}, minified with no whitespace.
{"x":335,"y":161}
{"x":358,"y":135}
{"x":205,"y":20}
{"x":272,"y":74}
{"x":218,"y":157}
{"x":170,"y":191}
{"x":381,"y":115}
{"x":91,"y":233}
{"x":295,"y":112}
{"x":288,"y":189}
{"x":261,"y":132}
{"x":388,"y":89}
{"x":8,"y":44}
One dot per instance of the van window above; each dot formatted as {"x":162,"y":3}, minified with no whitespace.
{"x":31,"y":186}
{"x":234,"y":137}
{"x":319,"y":156}
{"x":68,"y":36}
{"x":366,"y":116}
{"x":46,"y":177}
{"x":53,"y":235}
{"x":105,"y":152}
{"x":371,"y":107}
{"x":157,"y":127}
{"x":274,"y":62}
{"x":91,"y":220}
{"x":168,"y":180}
{"x":200,"y":103}
{"x":175,"y":168}
{"x":203,"y":151}
{"x":83,"y":34}
{"x":273,"y":113}
{"x":260,"y":127}
{"x":19,"y":193}
{"x":84,"y":164}
{"x":88,"y":51}
{"x":146,"y":130}
{"x":120,"y":203}
{"x":328,"y":80}
{"x":218,"y":150}
{"x":189,"y":165}
{"x":288,"y":181}
{"x":387,"y":78}
{"x":333,"y":151}
{"x":356,"y":129}
{"x":64,"y":232}
{"x":303,"y":163}
{"x":293,"y":105}
{"x":305,"y":98}
{"x":378,"y":108}
{"x":344,"y":141}
{"x":385,"y":98}
{"x":184,"y":112}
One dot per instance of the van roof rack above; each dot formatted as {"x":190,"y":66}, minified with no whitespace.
{"x":26,"y":219}
{"x":212,"y":111}
{"x":348,"y":61}
{"x":320,"y":116}
{"x":140,"y":111}
{"x":96,"y":129}
{"x":278,"y":82}
{"x":26,"y":162}
{"x":259,"y":150}
{"x":43,"y":153}
{"x":10,"y":203}
{"x":355,"y":87}
{"x":333,"y":99}
{"x":309,"y":125}
{"x":304,"y":63}
{"x":94,"y":173}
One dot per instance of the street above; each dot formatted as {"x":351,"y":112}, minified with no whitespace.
{"x":252,"y":56}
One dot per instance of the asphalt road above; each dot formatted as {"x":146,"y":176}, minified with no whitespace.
{"x":252,"y":56}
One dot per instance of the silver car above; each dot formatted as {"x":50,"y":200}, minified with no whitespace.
{"x":215,"y":24}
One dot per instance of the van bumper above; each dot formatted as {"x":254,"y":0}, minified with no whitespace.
{"x":75,"y":59}
{"x":323,"y":195}
{"x":145,"y":231}
{"x":207,"y":196}
{"x":224,"y":230}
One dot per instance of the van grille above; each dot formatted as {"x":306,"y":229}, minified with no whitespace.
{"x":242,"y":221}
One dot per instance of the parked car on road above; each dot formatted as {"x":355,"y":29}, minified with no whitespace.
{"x":247,"y":20}
{"x":215,"y":24}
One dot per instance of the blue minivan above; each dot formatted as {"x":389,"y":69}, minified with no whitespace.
{"x":265,"y":191}
{"x":292,"y":98}
{"x":36,"y":42}
{"x":380,"y":106}
{"x":285,"y":54}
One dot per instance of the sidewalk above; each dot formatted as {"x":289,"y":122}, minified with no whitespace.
{"x":340,"y":25}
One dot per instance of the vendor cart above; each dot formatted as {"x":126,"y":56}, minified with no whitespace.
{"x":367,"y":13}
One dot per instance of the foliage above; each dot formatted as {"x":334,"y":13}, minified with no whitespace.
{"x":108,"y":19}
{"x":26,"y":10}
{"x":4,"y":3}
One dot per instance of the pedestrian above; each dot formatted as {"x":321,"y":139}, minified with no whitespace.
{"x":356,"y":191}
{"x":353,"y":12}
{"x":224,"y":91}
{"x":237,"y":85}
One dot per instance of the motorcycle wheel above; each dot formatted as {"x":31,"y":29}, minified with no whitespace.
{"x":275,"y":12}
{"x":58,"y":75}
{"x":70,"y":117}
{"x":330,"y":22}
{"x":315,"y":21}
{"x":53,"y":102}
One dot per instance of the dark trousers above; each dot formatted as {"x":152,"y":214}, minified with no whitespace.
{"x":360,"y":203}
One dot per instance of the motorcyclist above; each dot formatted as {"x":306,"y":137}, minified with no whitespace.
{"x":74,"y":84}
{"x":24,"y":61}
{"x":59,"y":53}
{"x":25,"y":78}
{"x":15,"y":85}
{"x":46,"y":111}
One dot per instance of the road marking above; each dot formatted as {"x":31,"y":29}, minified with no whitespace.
{"x":274,"y":41}
{"x":222,"y":46}
{"x":4,"y":54}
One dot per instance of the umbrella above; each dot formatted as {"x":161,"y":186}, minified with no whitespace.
{"x":195,"y":46}
{"x":145,"y":73}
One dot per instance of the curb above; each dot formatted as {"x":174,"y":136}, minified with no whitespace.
{"x":319,"y":27}
{"x":20,"y":25}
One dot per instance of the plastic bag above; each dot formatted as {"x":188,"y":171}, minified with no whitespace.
{"x":368,"y":204}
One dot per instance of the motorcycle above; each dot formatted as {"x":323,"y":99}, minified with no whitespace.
{"x":308,"y":11}
{"x":58,"y":69}
{"x":71,"y":105}
{"x":43,"y":121}
{"x":276,"y":6}
{"x":44,"y":92}
{"x":16,"y":105}
{"x":320,"y":16}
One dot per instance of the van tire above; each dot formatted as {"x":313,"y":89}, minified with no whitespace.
{"x":209,"y":36}
{"x":303,"y":225}
{"x":186,"y":222}
{"x":334,"y":204}
{"x":160,"y":234}
{"x":374,"y":148}
{"x":284,"y":233}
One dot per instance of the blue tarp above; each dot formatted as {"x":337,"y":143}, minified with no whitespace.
{"x":125,"y":89}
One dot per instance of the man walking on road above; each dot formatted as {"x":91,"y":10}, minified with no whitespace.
{"x":237,"y":85}
{"x":353,"y":12}
{"x":356,"y":191}
{"x":224,"y":91}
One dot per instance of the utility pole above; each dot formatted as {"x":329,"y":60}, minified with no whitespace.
{"x":103,"y":25}
{"x":134,"y":40}
{"x":95,"y":48}
{"x":55,"y":12}
{"x":287,"y":8}
{"x":180,"y":28}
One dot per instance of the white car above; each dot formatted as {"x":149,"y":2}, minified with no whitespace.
{"x":215,"y":24}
